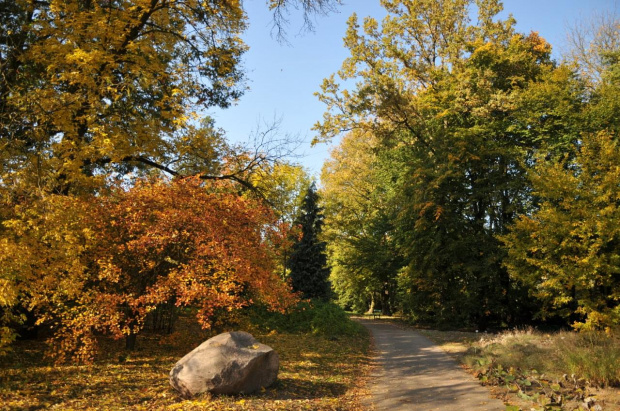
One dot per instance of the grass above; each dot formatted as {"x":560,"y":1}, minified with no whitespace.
{"x":592,"y":356}
{"x":541,"y":371}
{"x":317,"y":372}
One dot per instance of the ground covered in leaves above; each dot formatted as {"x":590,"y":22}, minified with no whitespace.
{"x":316,"y":373}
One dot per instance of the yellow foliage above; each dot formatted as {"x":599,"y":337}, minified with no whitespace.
{"x":567,"y":250}
{"x":107,"y":84}
{"x":100,"y":264}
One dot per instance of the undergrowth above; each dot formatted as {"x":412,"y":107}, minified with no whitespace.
{"x":316,"y":317}
{"x":554,"y":371}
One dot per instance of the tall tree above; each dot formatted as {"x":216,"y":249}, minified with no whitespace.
{"x":568,"y":250}
{"x":465,"y":104}
{"x":91,"y":90}
{"x":359,"y":181}
{"x":100,"y":264}
{"x":308,"y":262}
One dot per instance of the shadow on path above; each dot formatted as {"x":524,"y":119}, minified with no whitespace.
{"x":413,"y":373}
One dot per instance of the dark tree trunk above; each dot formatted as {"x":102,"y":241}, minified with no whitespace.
{"x":130,"y":341}
{"x":385,"y":301}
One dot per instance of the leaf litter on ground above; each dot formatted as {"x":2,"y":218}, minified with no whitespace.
{"x":316,"y":373}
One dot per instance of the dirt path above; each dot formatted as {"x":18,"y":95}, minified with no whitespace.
{"x":412,"y":373}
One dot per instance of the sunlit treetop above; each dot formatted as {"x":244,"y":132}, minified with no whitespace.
{"x":92,"y":87}
{"x":417,"y":44}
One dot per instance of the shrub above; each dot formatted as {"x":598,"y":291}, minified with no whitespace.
{"x":593,"y":356}
{"x":317,"y":317}
{"x":331,"y":321}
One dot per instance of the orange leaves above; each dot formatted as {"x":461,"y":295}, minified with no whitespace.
{"x":101,"y":264}
{"x":171,"y":240}
{"x":539,"y":44}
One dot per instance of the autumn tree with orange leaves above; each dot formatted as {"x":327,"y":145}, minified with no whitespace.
{"x":101,"y":265}
{"x":93,"y":91}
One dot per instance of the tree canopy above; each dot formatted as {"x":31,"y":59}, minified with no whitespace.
{"x":454,"y":116}
{"x":102,"y":152}
{"x":309,"y":272}
{"x":95,"y":88}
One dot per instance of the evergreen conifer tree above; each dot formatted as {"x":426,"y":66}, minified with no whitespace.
{"x":308,"y":261}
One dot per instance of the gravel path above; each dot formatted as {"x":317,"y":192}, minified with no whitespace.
{"x":413,"y":373}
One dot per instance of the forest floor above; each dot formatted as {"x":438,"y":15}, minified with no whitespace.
{"x":316,"y":373}
{"x":531,"y":370}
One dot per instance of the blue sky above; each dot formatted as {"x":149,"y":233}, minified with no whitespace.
{"x":284,"y":77}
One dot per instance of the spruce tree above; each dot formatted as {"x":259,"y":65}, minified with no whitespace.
{"x":308,"y":261}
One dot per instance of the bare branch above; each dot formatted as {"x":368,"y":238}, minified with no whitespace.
{"x":310,"y":8}
{"x":590,"y":41}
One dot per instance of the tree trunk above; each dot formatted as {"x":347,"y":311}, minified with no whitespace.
{"x":385,"y":301}
{"x":130,"y":341}
{"x":372,"y":304}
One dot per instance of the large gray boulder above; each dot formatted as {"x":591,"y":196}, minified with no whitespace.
{"x":229,"y":363}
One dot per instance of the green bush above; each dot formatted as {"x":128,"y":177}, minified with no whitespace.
{"x":296,"y":320}
{"x":331,"y":321}
{"x":315,"y":317}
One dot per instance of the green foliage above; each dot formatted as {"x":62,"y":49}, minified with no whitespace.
{"x":358,"y":191}
{"x":296,"y":320}
{"x":329,"y":320}
{"x":447,"y":145}
{"x":568,"y":250}
{"x":309,"y":272}
{"x":452,"y":126}
{"x":317,"y":317}
{"x":605,"y":99}
{"x":284,"y":186}
{"x":472,"y":183}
